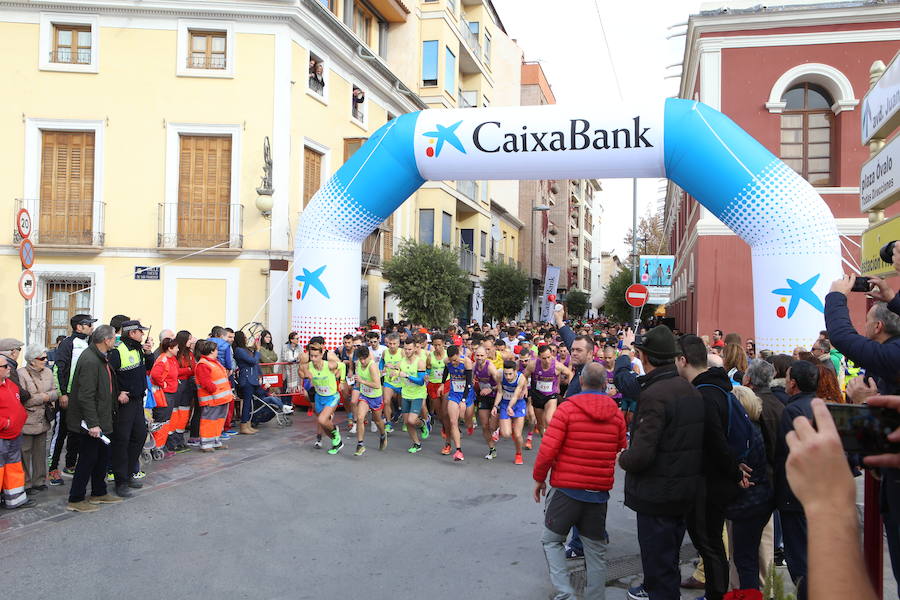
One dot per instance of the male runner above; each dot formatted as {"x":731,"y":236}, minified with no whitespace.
{"x":439,"y":386}
{"x":487,"y":380}
{"x":411,"y":372}
{"x":461,"y":397}
{"x":545,"y":373}
{"x":509,"y":406}
{"x":389,"y":365}
{"x":346,"y":356}
{"x":368,"y":380}
{"x":324,"y":379}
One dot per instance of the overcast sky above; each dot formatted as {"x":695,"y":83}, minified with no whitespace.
{"x":569,"y":45}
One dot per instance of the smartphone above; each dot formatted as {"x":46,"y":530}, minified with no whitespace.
{"x":861,"y":284}
{"x":864,"y":429}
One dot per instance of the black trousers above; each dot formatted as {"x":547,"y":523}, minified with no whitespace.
{"x":660,"y":539}
{"x":93,"y":456}
{"x":129,"y":434}
{"x":745,"y":536}
{"x":704,"y":524}
{"x":58,"y":439}
{"x":793,"y":528}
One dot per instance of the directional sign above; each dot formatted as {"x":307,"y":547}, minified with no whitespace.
{"x":23,"y":223}
{"x":881,"y":105}
{"x":879,"y":181}
{"x":27,"y":284}
{"x":636,"y":295}
{"x":26,"y":253}
{"x":873,"y":239}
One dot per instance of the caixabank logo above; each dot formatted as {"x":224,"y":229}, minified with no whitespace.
{"x":440,"y":135}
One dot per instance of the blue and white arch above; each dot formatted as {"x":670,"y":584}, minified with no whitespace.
{"x":790,"y":230}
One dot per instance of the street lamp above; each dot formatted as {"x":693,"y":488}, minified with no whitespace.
{"x":264,"y":202}
{"x":535,"y":208}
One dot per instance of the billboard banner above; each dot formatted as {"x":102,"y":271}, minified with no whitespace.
{"x":551,"y":283}
{"x":656,"y":273}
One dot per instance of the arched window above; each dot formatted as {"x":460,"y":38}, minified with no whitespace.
{"x":806,"y":132}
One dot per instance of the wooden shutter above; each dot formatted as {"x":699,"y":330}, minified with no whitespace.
{"x":65,"y":299}
{"x":388,"y":239}
{"x":204,"y":190}
{"x":67,"y":187}
{"x":312,"y":174}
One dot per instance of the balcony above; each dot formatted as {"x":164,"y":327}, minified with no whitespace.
{"x":210,"y":226}
{"x":471,"y":38}
{"x":63,"y":223}
{"x":468,"y":262}
{"x":81,"y":56}
{"x":202,"y":61}
{"x":468,"y":188}
{"x":371,"y":251}
{"x":467,"y":99}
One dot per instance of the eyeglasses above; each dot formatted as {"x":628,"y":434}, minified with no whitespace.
{"x":41,"y":358}
{"x":4,"y":366}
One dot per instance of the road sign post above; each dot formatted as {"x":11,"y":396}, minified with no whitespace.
{"x":636,"y":295}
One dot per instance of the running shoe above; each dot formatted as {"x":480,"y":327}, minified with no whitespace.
{"x":318,"y":444}
{"x":336,"y":448}
{"x":288,"y":409}
{"x":429,"y":423}
{"x":231,"y":431}
{"x":388,"y":428}
{"x":443,"y":435}
{"x":414,"y":448}
{"x":227,"y":436}
{"x":182,"y":448}
{"x":336,"y":437}
{"x":458,"y":456}
{"x":445,"y":450}
{"x":491,"y":455}
{"x":404,"y":426}
{"x":353,"y":428}
{"x":373,"y":428}
{"x":55,"y":477}
{"x":139,"y":475}
{"x":426,"y":431}
{"x":70,"y":471}
{"x":638,"y":593}
{"x":360,"y":450}
{"x":309,"y":412}
{"x":382,"y":442}
{"x":528,"y":442}
{"x":194,"y":442}
{"x":110,"y":477}
{"x":470,"y":430}
{"x":496,"y":435}
{"x":518,"y":460}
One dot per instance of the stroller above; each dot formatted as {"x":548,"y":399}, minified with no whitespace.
{"x":263,"y":407}
{"x":150,"y":450}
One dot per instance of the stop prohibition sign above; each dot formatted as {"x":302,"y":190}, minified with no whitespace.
{"x":636,"y":295}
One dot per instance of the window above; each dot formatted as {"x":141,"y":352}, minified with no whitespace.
{"x":483,"y":250}
{"x":487,"y":48}
{"x":426,"y":226}
{"x":67,"y":187}
{"x":474,"y":27}
{"x":312,"y":173}
{"x":446,"y":229}
{"x":806,"y":133}
{"x":362,"y":23}
{"x":429,"y":62}
{"x":71,"y":44}
{"x":451,"y":7}
{"x":207,"y":50}
{"x":330,"y":5}
{"x":450,"y":72}
{"x":358,"y":99}
{"x":317,"y":74}
{"x":351,"y":145}
{"x":204,"y":190}
{"x":64,"y":299}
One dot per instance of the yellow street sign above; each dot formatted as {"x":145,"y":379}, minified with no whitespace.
{"x":873,"y":239}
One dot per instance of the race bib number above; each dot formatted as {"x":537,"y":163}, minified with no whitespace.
{"x":544,"y":387}
{"x":508,"y":395}
{"x":323,"y":390}
{"x":351,"y":380}
{"x":367,"y":391}
{"x":482,"y":385}
{"x":458,"y":386}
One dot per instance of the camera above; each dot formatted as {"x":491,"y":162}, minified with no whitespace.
{"x":887,"y":252}
{"x":864,"y":429}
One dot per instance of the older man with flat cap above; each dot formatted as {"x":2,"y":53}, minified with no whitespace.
{"x":11,"y":348}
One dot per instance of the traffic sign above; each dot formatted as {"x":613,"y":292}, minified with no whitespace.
{"x":881,"y":105}
{"x":636,"y":295}
{"x":23,"y":223}
{"x":27,"y":284}
{"x":26,"y":253}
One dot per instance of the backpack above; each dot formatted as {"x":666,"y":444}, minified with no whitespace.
{"x":739,"y":428}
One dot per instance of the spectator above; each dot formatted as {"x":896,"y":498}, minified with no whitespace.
{"x":664,"y":464}
{"x":187,"y":390}
{"x":828,"y":389}
{"x":579,"y":448}
{"x":750,"y":347}
{"x":90,"y":417}
{"x":248,"y":381}
{"x":267,"y":352}
{"x":37,"y":378}
{"x":718,"y":340}
{"x":758,"y":378}
{"x":11,"y":348}
{"x":823,"y":351}
{"x":291,"y":354}
{"x":213,"y":394}
{"x":12,"y":419}
{"x":164,"y":375}
{"x":51,"y":353}
{"x":735,"y":362}
{"x":781,"y":363}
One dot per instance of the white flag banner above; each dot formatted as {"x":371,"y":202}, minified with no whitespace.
{"x":551,"y":283}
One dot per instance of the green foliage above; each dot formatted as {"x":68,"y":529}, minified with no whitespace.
{"x":505,"y":290}
{"x":652,"y":238}
{"x":577,"y":303}
{"x":428,"y":282}
{"x":614,"y":306}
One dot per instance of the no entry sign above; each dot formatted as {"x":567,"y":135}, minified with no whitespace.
{"x":636,"y":295}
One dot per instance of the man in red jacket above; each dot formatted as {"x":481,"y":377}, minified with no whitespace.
{"x":580,"y":446}
{"x":12,"y":418}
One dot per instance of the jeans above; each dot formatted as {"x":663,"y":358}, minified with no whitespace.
{"x":561,"y":514}
{"x":93,"y":457}
{"x":575,"y":541}
{"x":246,"y":393}
{"x":263,"y":414}
{"x":793,"y":525}
{"x":704,"y":524}
{"x":745,"y":537}
{"x":660,"y":540}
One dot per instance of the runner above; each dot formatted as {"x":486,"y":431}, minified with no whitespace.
{"x":411,"y":372}
{"x":346,"y":355}
{"x":509,"y":406}
{"x":545,"y":374}
{"x":390,"y":361}
{"x":565,"y":358}
{"x":324,"y":378}
{"x":368,"y":380}
{"x":461,"y":398}
{"x":439,"y":386}
{"x":422,"y":349}
{"x":376,"y":350}
{"x":487,"y":380}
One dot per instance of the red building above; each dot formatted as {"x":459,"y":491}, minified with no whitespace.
{"x":792,"y":77}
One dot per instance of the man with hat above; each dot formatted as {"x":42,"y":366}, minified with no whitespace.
{"x":663,"y":465}
{"x":12,"y":419}
{"x":130,"y":360}
{"x":11,"y":348}
{"x":67,"y":354}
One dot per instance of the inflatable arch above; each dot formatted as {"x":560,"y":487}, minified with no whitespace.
{"x":791,"y":232}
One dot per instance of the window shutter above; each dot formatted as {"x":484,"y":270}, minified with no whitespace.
{"x":67,"y":187}
{"x":204,"y":190}
{"x":312,"y":174}
{"x":388,"y":239}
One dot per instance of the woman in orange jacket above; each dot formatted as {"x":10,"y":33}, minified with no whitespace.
{"x":164,"y":375}
{"x":187,"y":390}
{"x":213,"y":394}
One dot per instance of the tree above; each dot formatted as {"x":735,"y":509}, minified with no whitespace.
{"x":428,"y":282}
{"x":505,"y":290}
{"x":652,"y":238}
{"x":577,"y":303}
{"x":614,"y":305}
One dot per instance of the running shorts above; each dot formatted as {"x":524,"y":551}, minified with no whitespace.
{"x":392,"y":387}
{"x":374,"y":403}
{"x":519,"y":409}
{"x":438,"y":389}
{"x":411,"y":405}
{"x":458,"y":398}
{"x":486,"y":402}
{"x":539,"y":400}
{"x":323,"y":402}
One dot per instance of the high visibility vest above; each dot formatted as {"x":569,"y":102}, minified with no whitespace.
{"x":219,"y":376}
{"x":130,"y":359}
{"x":436,"y":375}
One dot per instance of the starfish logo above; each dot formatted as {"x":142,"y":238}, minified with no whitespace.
{"x":797,"y":292}
{"x":440,"y":135}
{"x":312,"y":279}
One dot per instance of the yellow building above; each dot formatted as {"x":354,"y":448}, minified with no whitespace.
{"x":137,"y":136}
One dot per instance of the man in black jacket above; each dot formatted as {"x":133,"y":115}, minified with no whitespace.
{"x":663,"y":465}
{"x":722,"y":474}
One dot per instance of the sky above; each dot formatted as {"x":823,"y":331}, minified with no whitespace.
{"x":569,"y":45}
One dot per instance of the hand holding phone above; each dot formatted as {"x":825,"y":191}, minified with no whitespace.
{"x":889,"y":404}
{"x":868,"y":429}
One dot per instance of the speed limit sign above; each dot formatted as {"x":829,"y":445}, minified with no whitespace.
{"x":23,"y":223}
